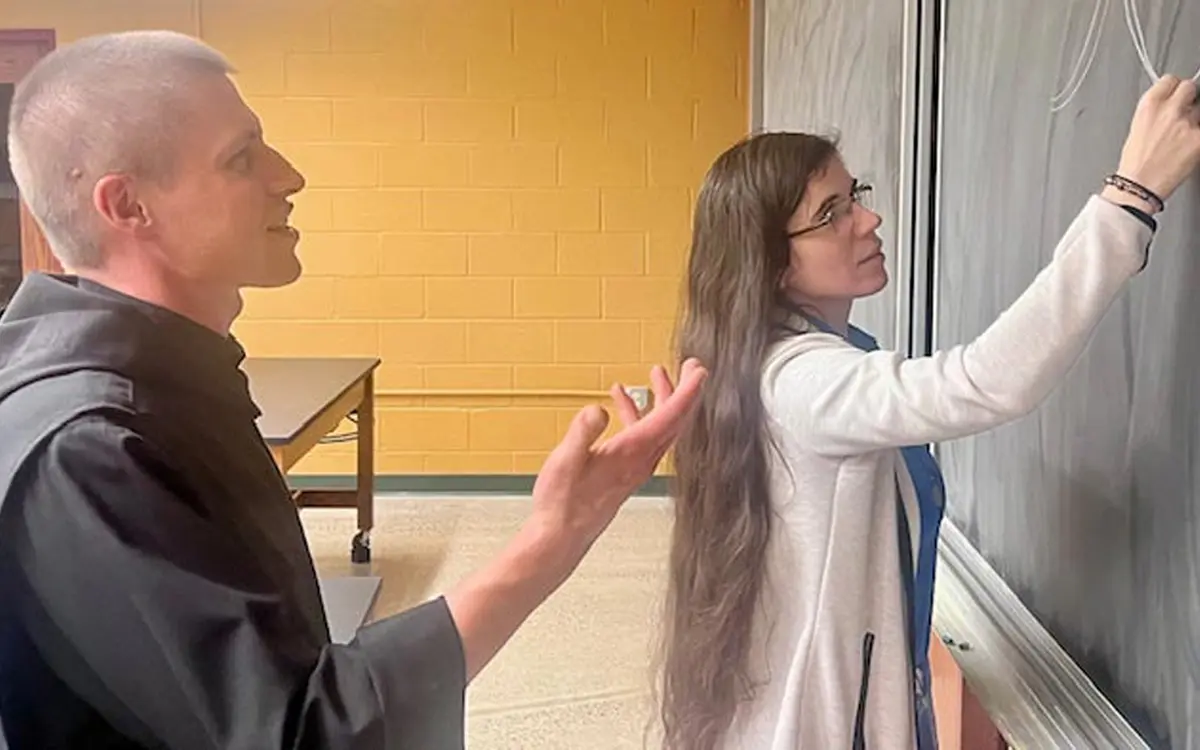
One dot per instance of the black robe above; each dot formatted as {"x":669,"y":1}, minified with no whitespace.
{"x":156,"y":588}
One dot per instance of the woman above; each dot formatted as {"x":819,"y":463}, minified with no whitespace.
{"x":798,"y":614}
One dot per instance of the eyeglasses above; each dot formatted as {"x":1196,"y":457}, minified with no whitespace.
{"x":838,"y":210}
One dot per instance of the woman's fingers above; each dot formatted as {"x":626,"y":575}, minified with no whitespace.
{"x":1184,"y":96}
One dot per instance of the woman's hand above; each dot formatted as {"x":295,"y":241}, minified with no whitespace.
{"x":1163,"y":146}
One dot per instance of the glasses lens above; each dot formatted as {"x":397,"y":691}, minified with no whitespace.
{"x":862,"y":195}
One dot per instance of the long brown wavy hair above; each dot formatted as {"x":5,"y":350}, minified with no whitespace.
{"x":739,"y":255}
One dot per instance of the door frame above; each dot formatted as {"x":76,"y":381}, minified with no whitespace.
{"x":35,"y":250}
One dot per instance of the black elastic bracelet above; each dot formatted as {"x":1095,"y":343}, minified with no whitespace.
{"x":1150,"y":222}
{"x":1127,"y":185}
{"x":1141,"y":216}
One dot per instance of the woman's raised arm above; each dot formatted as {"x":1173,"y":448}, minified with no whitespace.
{"x":844,"y":401}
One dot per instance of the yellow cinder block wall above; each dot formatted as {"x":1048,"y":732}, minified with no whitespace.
{"x":499,"y":195}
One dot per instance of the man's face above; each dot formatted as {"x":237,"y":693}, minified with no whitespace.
{"x":221,"y":218}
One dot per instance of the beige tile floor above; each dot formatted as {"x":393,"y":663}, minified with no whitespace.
{"x":577,"y":676}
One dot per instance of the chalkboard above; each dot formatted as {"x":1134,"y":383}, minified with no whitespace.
{"x":1090,"y":507}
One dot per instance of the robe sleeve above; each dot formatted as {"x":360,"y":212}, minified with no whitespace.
{"x":169,"y":627}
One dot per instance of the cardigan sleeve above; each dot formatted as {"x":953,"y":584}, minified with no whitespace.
{"x":843,"y":401}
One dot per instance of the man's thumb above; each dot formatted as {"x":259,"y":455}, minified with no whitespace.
{"x":586,"y":428}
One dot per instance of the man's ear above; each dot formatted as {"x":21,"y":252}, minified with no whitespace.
{"x":115,"y":199}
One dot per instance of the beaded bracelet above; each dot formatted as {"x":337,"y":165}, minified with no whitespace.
{"x":1127,"y":185}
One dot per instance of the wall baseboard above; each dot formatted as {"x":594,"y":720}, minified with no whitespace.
{"x":452,"y":484}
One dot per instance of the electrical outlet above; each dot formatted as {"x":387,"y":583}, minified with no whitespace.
{"x":640,"y":396}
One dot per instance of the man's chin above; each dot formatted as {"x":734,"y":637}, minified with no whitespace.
{"x":276,"y":275}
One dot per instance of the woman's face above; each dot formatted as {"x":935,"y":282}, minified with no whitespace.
{"x":836,"y":256}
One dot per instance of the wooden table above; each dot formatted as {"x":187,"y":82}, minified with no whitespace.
{"x":302,"y":401}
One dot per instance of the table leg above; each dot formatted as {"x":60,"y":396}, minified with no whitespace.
{"x":360,"y":550}
{"x":962,"y":722}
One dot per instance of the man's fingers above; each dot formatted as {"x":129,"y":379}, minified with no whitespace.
{"x":627,"y":411}
{"x":661,"y":384}
{"x":659,"y":427}
{"x":689,"y":364}
{"x":683,"y":397}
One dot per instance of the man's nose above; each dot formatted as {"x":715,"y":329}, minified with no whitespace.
{"x":287,"y":179}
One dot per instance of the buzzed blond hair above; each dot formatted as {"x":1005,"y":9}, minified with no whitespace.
{"x":101,"y":105}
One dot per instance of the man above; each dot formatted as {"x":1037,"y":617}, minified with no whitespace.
{"x":157,"y":589}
